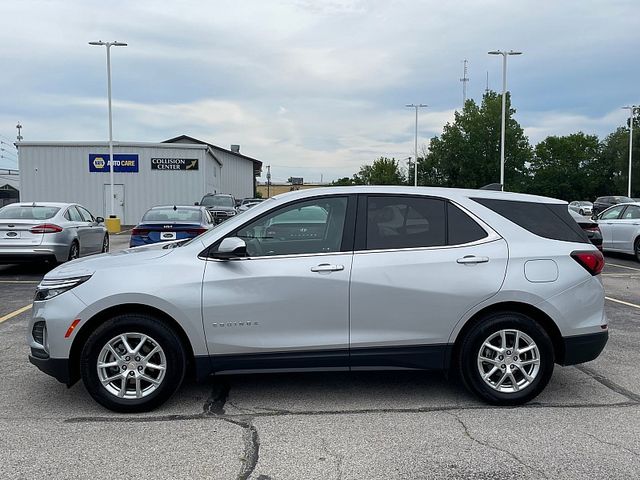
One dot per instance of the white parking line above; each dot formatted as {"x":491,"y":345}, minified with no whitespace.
{"x":13,"y":314}
{"x":622,"y":266}
{"x":623,"y":302}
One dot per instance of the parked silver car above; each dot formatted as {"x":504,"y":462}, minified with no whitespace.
{"x":54,"y":232}
{"x":620,"y":227}
{"x":583,"y":208}
{"x":494,"y":285}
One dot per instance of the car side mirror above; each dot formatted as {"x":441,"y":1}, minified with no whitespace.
{"x":229,"y":248}
{"x":99,"y":219}
{"x":196,"y":203}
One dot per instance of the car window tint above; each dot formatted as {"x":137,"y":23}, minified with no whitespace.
{"x":313,"y":226}
{"x":546,"y":220}
{"x":612,"y":213}
{"x":632,"y":212}
{"x":86,"y":216}
{"x":74,"y":215}
{"x":404,"y":222}
{"x":461,"y":227}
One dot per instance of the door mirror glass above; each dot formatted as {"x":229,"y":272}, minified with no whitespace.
{"x":99,"y":219}
{"x":230,"y":247}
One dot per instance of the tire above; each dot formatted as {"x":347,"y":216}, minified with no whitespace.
{"x":133,"y":391}
{"x":74,"y":250}
{"x":582,"y":212}
{"x":488,"y":330}
{"x":636,"y":248}
{"x":105,"y":243}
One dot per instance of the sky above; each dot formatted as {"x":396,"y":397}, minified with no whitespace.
{"x":313,"y":88}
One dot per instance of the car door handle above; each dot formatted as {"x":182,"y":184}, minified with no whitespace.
{"x":326,"y":267}
{"x":471,"y":259}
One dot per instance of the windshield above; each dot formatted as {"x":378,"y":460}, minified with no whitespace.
{"x":28,"y":212}
{"x":623,"y":199}
{"x":217,"y":201}
{"x":170,"y":215}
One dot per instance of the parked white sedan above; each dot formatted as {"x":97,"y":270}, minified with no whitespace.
{"x":620,"y":226}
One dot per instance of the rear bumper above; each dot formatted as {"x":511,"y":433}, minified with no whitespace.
{"x":35,"y":253}
{"x":58,"y":368}
{"x":583,"y":348}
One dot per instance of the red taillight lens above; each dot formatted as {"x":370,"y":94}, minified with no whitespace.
{"x":46,"y":228}
{"x":593,"y":229}
{"x":196,"y":231}
{"x":592,"y":261}
{"x":140,"y":231}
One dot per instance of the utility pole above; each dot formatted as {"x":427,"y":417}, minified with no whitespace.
{"x":464,"y":81}
{"x":632,"y":110}
{"x":486,"y":90}
{"x":268,"y":181}
{"x":504,"y":54}
{"x":416,"y":106}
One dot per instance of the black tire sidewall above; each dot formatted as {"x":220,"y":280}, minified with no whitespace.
{"x":77,"y":246}
{"x":106,"y":238}
{"x":129,"y":323}
{"x":480,"y":332}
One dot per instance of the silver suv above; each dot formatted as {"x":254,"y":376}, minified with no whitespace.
{"x":496,"y":286}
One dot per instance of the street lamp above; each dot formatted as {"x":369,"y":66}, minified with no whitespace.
{"x":416,"y":106}
{"x":632,"y":110}
{"x":504,"y":54}
{"x":109,"y":45}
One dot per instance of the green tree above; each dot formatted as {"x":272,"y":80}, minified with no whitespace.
{"x":467,"y":154}
{"x":614,"y":163}
{"x":383,"y":171}
{"x":566,"y":167}
{"x":343,"y":181}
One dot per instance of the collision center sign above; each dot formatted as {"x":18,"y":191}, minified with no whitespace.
{"x":174,"y":164}
{"x":122,"y":162}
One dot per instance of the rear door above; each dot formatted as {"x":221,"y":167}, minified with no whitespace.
{"x":95,"y":233}
{"x":420,"y":263}
{"x":81,"y":227}
{"x":625,"y":229}
{"x":607,"y":222}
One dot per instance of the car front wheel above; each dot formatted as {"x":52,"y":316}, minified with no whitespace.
{"x":132,"y":363}
{"x":506,"y":359}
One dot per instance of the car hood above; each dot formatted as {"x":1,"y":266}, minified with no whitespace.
{"x":88,"y":265}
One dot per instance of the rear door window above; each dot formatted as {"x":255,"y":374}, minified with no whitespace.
{"x":461,"y":228}
{"x":405,"y":222}
{"x":631,"y":213}
{"x":74,"y":215}
{"x":84,"y":213}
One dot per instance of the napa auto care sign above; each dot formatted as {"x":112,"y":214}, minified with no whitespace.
{"x":122,"y":162}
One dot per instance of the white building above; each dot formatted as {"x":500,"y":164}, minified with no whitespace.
{"x":9,"y":186}
{"x":178,"y":171}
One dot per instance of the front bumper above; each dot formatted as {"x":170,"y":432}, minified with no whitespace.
{"x":583,"y":348}
{"x":58,"y":368}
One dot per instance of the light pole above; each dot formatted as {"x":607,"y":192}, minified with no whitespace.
{"x":504,"y":54}
{"x":632,"y":110}
{"x":416,"y":106}
{"x":109,"y":45}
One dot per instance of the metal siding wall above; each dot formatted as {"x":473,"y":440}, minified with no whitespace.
{"x":237,"y":175}
{"x":63,"y":175}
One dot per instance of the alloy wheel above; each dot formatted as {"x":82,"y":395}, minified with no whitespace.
{"x":508,"y":361}
{"x":131,"y":365}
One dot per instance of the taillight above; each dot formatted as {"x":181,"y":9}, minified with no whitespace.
{"x":592,"y":261}
{"x":143,"y":232}
{"x":46,"y":228}
{"x":595,"y":229}
{"x":196,"y":231}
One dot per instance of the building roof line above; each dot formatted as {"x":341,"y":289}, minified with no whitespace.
{"x":199,"y":146}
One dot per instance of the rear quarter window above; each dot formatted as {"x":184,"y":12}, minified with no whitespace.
{"x":546,"y":220}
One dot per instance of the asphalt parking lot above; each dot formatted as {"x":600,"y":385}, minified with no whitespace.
{"x":327,"y":425}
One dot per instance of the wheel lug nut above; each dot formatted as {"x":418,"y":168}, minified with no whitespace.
{"x":137,"y":359}
{"x":508,"y":352}
{"x":131,"y":373}
{"x":503,"y":366}
{"x":127,"y":358}
{"x":512,"y":367}
{"x":515,"y":358}
{"x":140,"y":368}
{"x":500,"y":357}
{"x":124,"y":367}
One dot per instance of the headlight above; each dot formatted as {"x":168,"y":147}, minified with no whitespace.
{"x":52,"y":288}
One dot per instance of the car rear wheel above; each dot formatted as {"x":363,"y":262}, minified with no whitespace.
{"x":636,"y":248}
{"x":132,"y":363}
{"x":582,"y":212}
{"x":105,"y":243}
{"x":506,"y":359}
{"x":74,"y":250}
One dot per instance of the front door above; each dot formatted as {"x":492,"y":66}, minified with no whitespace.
{"x":420,"y":264}
{"x":286,"y":305}
{"x":607,"y":222}
{"x":118,"y":204}
{"x":624,"y":229}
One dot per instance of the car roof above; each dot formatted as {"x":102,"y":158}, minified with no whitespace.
{"x":451,"y":193}
{"x":181,"y":207}
{"x":43,"y":204}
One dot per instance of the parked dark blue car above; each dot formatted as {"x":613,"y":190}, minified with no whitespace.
{"x":168,"y":223}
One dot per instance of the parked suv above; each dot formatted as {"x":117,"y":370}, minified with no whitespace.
{"x":602,"y":203}
{"x":221,"y":206}
{"x":494,"y":285}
